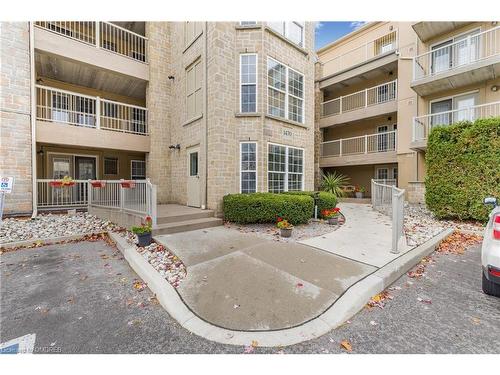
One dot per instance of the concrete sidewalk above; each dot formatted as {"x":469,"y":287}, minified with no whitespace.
{"x":365,"y":237}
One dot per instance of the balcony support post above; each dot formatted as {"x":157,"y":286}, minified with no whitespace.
{"x":340,"y":147}
{"x":366,"y":98}
{"x":98,"y":112}
{"x":340,"y":104}
{"x":366,"y":143}
{"x":97,"y":34}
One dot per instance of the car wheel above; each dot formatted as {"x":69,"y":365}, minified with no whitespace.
{"x":489,"y":287}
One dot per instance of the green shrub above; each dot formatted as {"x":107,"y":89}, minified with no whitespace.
{"x":266,"y":207}
{"x":326,"y":200}
{"x":463,"y":167}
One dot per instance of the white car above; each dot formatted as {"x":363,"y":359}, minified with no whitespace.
{"x":490,"y":251}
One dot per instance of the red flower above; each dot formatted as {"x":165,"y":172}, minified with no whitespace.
{"x":336,"y":209}
{"x":280,"y":219}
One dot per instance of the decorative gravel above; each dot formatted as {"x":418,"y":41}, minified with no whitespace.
{"x":168,"y":265}
{"x":299,"y":233}
{"x":421,"y":225}
{"x":51,"y":226}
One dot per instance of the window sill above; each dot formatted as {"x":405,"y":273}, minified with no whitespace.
{"x":284,"y":38}
{"x":248,"y":114}
{"x":276,"y":118}
{"x":249,"y":27}
{"x":194,"y":119}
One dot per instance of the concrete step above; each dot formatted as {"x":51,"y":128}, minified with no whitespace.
{"x":187,"y":225}
{"x":184,"y":216}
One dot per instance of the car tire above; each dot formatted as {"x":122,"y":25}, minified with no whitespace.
{"x":490,"y":288}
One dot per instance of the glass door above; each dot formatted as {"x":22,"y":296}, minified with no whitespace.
{"x":85,"y":169}
{"x":441,"y":57}
{"x":466,"y":49}
{"x":441,"y":114}
{"x":462,"y":106}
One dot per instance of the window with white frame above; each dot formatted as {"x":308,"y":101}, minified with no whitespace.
{"x":285,"y":168}
{"x":248,"y":167}
{"x":138,"y":170}
{"x":248,"y":23}
{"x":292,"y":30}
{"x":248,"y":82}
{"x":191,"y":31}
{"x":193,"y":90}
{"x":285,"y":91}
{"x":111,"y":166}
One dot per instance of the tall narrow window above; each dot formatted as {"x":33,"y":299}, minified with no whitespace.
{"x":191,"y":31}
{"x":285,"y":92}
{"x":285,"y":168}
{"x":138,"y":170}
{"x":193,"y":90}
{"x":248,"y":167}
{"x":248,"y":81}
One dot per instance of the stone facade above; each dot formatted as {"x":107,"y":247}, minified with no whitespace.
{"x":15,"y":133}
{"x":416,"y":192}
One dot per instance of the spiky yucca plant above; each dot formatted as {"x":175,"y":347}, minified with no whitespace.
{"x":333,"y":183}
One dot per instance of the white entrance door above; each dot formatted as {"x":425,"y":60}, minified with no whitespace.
{"x":193,"y":180}
{"x":462,"y":104}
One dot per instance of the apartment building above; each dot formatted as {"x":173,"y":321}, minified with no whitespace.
{"x":203,"y":109}
{"x":381,"y":89}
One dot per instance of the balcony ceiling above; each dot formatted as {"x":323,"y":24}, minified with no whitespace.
{"x":428,"y":30}
{"x":136,"y":27}
{"x":76,"y":73}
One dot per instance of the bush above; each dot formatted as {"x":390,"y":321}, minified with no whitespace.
{"x":463,"y":167}
{"x":266,"y":207}
{"x":326,"y":200}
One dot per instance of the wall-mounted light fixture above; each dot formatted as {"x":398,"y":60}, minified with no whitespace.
{"x":175,"y":147}
{"x":494,"y":88}
{"x":171,"y":77}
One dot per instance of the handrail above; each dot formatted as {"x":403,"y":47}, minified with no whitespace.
{"x":126,"y":30}
{"x":364,"y":144}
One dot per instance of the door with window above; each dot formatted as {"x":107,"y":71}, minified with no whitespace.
{"x":85,"y":169}
{"x":462,"y":104}
{"x":441,"y":57}
{"x":466,"y":48}
{"x":382,"y":138}
{"x":61,"y":167}
{"x":193,"y":178}
{"x":440,"y":111}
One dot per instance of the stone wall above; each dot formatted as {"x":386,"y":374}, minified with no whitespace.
{"x":15,"y":109}
{"x":416,"y":192}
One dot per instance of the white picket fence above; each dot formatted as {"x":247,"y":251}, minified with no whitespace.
{"x":389,"y":200}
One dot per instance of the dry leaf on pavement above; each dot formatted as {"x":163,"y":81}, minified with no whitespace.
{"x":346,"y":345}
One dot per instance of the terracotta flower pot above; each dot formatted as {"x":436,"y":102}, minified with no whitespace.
{"x":144,"y":239}
{"x":59,"y":184}
{"x":286,"y":232}
{"x":98,"y":184}
{"x":127,"y":184}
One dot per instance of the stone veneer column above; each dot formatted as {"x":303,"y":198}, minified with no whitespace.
{"x":157,"y":101}
{"x":15,"y":114}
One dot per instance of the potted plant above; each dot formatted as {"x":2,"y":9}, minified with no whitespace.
{"x":358,"y":191}
{"x":143,"y":232}
{"x":331,"y":215}
{"x":285,"y":227}
{"x":66,"y":181}
{"x":127,"y":184}
{"x":98,"y":184}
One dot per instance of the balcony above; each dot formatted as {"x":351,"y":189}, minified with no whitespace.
{"x":101,"y":44}
{"x":371,"y":54}
{"x":473,"y":59}
{"x":422,"y":125}
{"x":70,"y":118}
{"x":427,"y":30}
{"x":366,"y":149}
{"x":371,"y":102}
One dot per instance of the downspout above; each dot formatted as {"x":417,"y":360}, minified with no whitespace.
{"x":205,"y":197}
{"x":33,"y":119}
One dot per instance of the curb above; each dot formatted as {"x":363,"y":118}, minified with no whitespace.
{"x":46,"y":241}
{"x":352,"y":301}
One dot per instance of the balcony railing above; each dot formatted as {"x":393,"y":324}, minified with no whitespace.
{"x":365,"y":98}
{"x":103,"y":35}
{"x":422,"y":125}
{"x":64,"y":197}
{"x":75,"y":109}
{"x":365,"y":144}
{"x":466,"y":51}
{"x":361,"y":54}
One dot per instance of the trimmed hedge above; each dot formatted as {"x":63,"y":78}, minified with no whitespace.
{"x":266,"y":207}
{"x":325,"y":200}
{"x":463,"y":167}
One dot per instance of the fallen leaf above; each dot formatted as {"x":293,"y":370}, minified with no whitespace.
{"x":476,"y":320}
{"x":300,"y":285}
{"x":346,"y":345}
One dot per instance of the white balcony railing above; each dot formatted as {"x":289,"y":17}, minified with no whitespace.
{"x":66,"y":197}
{"x":383,"y":93}
{"x":361,"y":54}
{"x":365,"y":144}
{"x":422,"y":125}
{"x":468,"y":50}
{"x":103,"y":35}
{"x":55,"y":105}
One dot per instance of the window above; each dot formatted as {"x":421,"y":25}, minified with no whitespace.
{"x":454,"y":109}
{"x":191,"y":31}
{"x":248,"y":82}
{"x":138,"y":170}
{"x":248,"y":167}
{"x":193,"y":164}
{"x":248,"y":23}
{"x":292,"y":30}
{"x":110,"y":109}
{"x":60,"y":107}
{"x":138,"y":120}
{"x":111,"y":166}
{"x":285,"y":92}
{"x":285,"y":168}
{"x":382,"y":174}
{"x":60,"y":168}
{"x":85,"y":108}
{"x":193,"y":88}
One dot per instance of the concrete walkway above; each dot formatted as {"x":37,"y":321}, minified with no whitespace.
{"x":239,"y":281}
{"x":365,"y":237}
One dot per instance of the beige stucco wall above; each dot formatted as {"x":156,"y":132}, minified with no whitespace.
{"x":15,"y":126}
